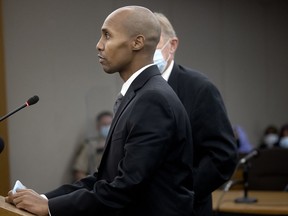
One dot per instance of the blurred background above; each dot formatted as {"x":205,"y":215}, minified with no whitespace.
{"x":49,"y":51}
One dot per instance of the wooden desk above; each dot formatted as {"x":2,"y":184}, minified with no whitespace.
{"x":7,"y":209}
{"x":269,"y":202}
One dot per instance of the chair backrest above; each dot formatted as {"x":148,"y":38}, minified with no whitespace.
{"x":269,"y":171}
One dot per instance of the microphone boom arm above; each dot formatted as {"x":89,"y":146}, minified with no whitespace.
{"x":30,"y":102}
{"x":11,"y":113}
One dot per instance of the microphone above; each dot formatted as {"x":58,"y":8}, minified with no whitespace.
{"x":1,"y":144}
{"x":249,"y":156}
{"x":245,"y":198}
{"x":29,"y":102}
{"x":230,"y":183}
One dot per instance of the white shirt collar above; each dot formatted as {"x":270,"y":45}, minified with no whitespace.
{"x":127,"y":84}
{"x":166,"y":74}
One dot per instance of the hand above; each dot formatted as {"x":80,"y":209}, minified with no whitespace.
{"x":9,"y":198}
{"x":29,"y":200}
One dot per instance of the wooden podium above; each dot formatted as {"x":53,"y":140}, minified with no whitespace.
{"x":7,"y":209}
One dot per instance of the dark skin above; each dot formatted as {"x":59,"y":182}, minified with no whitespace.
{"x":125,"y":46}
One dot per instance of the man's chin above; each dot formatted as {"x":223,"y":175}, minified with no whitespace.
{"x":109,"y":71}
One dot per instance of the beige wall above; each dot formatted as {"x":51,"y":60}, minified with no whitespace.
{"x":50,"y":51}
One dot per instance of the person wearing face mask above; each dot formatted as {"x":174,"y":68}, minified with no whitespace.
{"x":270,"y":137}
{"x":159,"y":59}
{"x":283,"y":137}
{"x":90,"y":153}
{"x":215,"y":149}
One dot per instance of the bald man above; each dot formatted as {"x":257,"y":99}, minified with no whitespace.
{"x":146,"y":168}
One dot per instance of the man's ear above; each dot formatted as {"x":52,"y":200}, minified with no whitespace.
{"x":138,"y":42}
{"x":174,"y":45}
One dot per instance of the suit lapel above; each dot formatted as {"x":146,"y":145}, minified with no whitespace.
{"x":137,"y":84}
{"x":125,"y":101}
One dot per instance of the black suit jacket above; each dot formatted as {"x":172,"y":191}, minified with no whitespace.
{"x":146,"y":168}
{"x":215,"y":151}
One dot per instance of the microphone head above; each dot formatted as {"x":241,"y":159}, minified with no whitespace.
{"x":255,"y":153}
{"x":1,"y":144}
{"x":33,"y":100}
{"x":252,"y":154}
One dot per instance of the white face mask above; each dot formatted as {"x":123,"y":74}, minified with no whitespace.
{"x":284,"y":142}
{"x":270,"y":139}
{"x":159,"y":59}
{"x":104,"y":130}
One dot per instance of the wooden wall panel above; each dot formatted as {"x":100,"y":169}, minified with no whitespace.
{"x":4,"y":156}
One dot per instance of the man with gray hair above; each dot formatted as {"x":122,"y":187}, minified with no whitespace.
{"x":215,"y":152}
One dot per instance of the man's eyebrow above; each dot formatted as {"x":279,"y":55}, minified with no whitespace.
{"x":104,"y":29}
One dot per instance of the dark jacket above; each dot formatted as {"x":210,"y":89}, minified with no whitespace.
{"x":146,"y":169}
{"x":215,"y":150}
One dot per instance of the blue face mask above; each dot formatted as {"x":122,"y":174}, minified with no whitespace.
{"x":270,"y":139}
{"x":284,"y":142}
{"x":104,"y":130}
{"x":159,"y":59}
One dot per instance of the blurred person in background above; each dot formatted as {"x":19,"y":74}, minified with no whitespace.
{"x":270,"y":137}
{"x":90,"y":153}
{"x":242,"y":140}
{"x":283,"y":137}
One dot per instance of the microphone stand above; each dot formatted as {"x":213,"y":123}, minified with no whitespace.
{"x":11,"y":113}
{"x":245,"y":198}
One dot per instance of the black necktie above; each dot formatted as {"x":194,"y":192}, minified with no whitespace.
{"x":117,"y":102}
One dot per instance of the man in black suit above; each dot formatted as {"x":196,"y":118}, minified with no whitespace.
{"x":215,"y":151}
{"x":146,"y":169}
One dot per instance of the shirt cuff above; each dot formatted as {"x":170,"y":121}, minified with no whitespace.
{"x":42,"y":195}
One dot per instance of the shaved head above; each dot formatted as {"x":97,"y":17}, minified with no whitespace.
{"x":128,"y":40}
{"x":137,"y":20}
